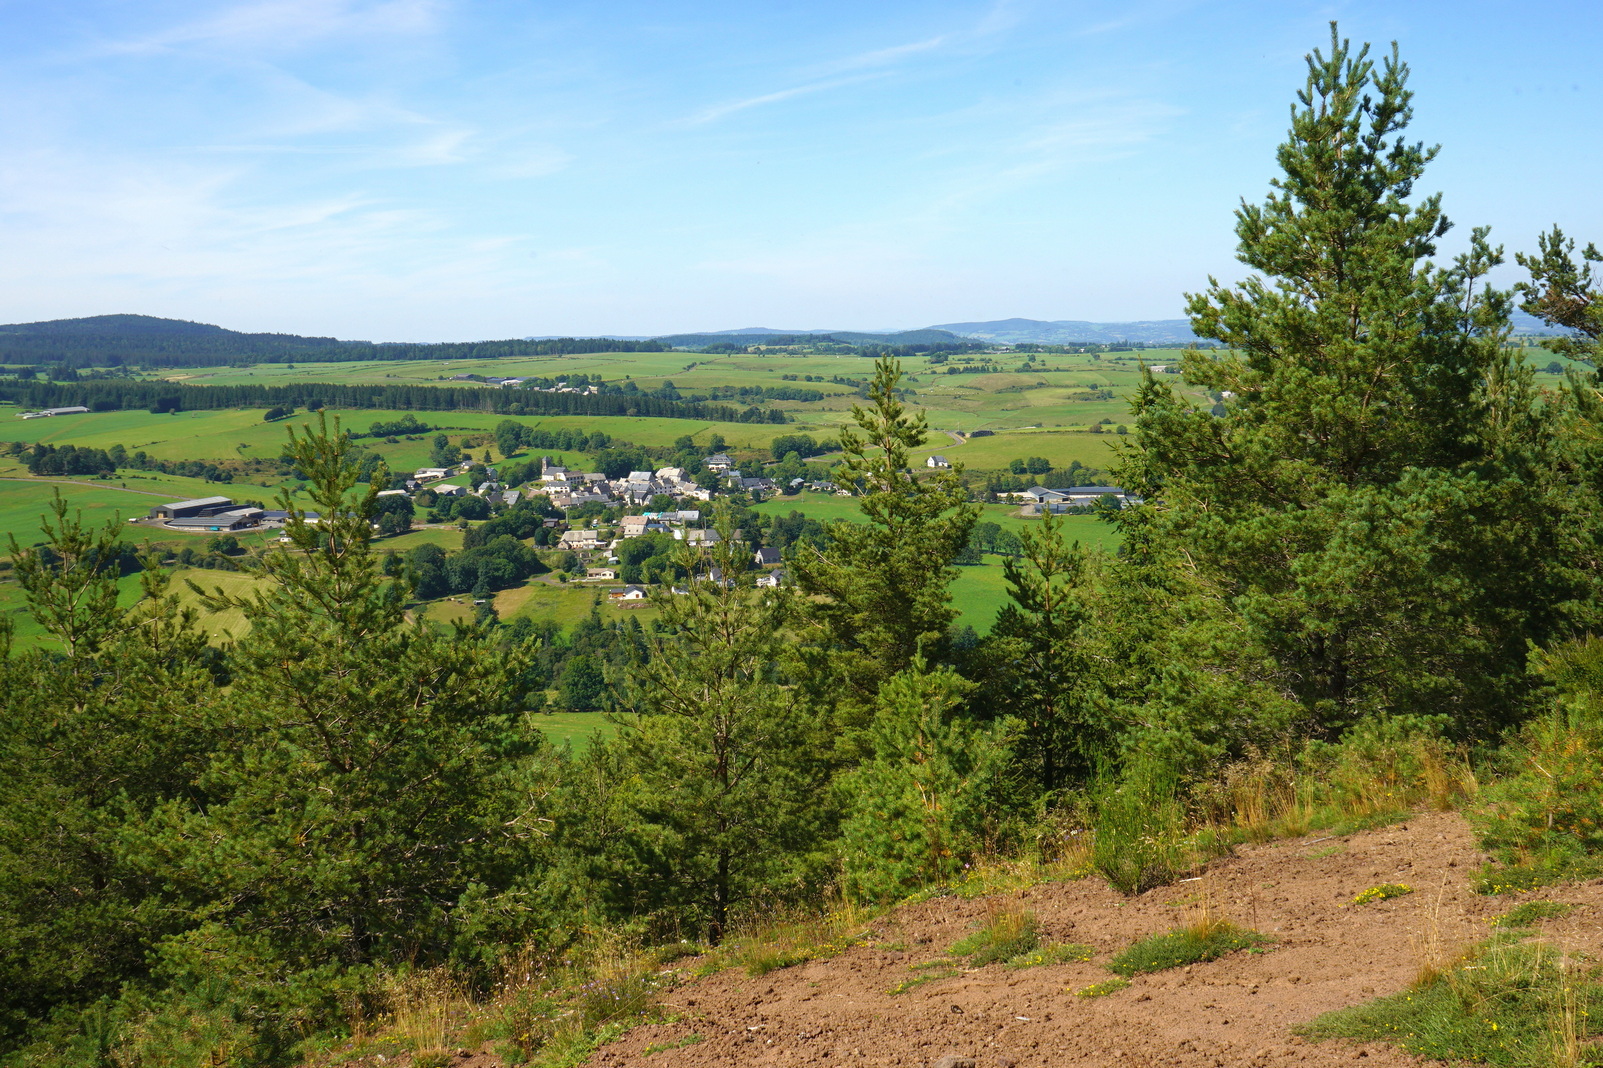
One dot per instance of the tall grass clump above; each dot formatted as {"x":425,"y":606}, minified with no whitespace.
{"x":762,"y":944}
{"x":1380,"y":770}
{"x":1141,"y":838}
{"x":556,"y":1015}
{"x":1009,"y":931}
{"x":1207,"y":937}
{"x":426,"y":1008}
{"x":1542,"y":820}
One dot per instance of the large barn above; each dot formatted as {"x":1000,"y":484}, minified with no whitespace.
{"x":199,"y":507}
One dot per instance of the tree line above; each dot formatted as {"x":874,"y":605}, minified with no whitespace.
{"x":125,"y":394}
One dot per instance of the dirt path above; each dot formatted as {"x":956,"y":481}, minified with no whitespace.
{"x":93,"y":485}
{"x":1236,"y":1011}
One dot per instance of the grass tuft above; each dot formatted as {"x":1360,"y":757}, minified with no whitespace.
{"x":1009,"y":931}
{"x":1058,"y":953}
{"x":1532,"y":913}
{"x":1102,"y":989}
{"x":1204,"y":940}
{"x":1383,"y":892}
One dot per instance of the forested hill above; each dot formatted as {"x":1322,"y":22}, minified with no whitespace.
{"x":111,"y":340}
{"x":156,"y":396}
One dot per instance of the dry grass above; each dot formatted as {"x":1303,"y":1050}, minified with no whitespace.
{"x":425,"y":1009}
{"x":1286,"y":795}
{"x":768,"y":944}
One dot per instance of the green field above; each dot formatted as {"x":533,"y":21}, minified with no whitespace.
{"x":25,"y":502}
{"x":231,"y":622}
{"x":825,"y":507}
{"x":576,"y":729}
{"x":980,"y":590}
{"x":1056,"y":396}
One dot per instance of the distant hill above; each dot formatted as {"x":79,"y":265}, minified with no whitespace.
{"x":1150,"y":331}
{"x":113,"y":340}
{"x":1064,"y":331}
{"x":759,"y":335}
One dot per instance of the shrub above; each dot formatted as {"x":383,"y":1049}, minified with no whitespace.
{"x":1546,"y":812}
{"x":1140,"y":837}
{"x":1205,"y":940}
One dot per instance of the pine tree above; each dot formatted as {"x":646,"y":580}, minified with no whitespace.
{"x":110,"y":719}
{"x":1566,"y":293}
{"x":880,"y":589}
{"x":372,"y":780}
{"x":1353,"y":502}
{"x":917,"y":807}
{"x":1037,"y":663}
{"x":725,"y":757}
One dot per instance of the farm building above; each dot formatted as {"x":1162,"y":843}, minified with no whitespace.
{"x":197,"y":508}
{"x":46,"y":413}
{"x":237,"y":519}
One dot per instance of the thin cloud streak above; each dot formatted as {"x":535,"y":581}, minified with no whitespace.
{"x":280,"y":23}
{"x":713,"y":114}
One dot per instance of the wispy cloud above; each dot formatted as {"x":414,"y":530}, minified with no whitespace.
{"x":721,"y":111}
{"x":880,"y":57}
{"x":288,"y":23}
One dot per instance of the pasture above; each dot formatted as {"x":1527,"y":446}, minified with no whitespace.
{"x":575,"y":729}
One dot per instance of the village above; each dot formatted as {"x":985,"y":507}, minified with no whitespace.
{"x":586,"y":514}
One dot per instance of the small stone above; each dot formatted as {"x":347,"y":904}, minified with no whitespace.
{"x":953,"y":1060}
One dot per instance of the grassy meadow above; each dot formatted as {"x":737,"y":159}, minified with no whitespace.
{"x":980,"y":590}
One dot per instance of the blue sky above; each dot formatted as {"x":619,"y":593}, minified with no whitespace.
{"x":453,"y":169}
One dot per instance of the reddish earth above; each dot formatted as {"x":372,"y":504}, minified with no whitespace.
{"x":1240,"y":1010}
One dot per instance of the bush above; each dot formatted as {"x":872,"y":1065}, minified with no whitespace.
{"x":1140,"y":839}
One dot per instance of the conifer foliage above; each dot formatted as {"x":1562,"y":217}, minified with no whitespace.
{"x":1373,"y":434}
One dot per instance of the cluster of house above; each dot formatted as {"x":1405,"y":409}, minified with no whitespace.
{"x":46,"y":413}
{"x":765,"y":558}
{"x":568,"y":488}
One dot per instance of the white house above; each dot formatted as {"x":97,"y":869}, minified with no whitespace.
{"x":936,"y":460}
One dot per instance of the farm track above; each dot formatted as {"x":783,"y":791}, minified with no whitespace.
{"x":91,"y":485}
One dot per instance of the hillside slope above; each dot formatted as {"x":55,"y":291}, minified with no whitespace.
{"x":1240,"y":1010}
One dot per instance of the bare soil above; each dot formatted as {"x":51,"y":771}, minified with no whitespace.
{"x":1239,"y":1010}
